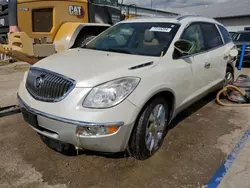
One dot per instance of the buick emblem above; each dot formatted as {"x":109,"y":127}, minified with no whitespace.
{"x":38,"y":82}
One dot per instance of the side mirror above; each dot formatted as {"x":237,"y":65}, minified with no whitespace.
{"x":233,"y":52}
{"x":184,"y":46}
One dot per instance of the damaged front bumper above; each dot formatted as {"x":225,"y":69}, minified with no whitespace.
{"x":101,"y":137}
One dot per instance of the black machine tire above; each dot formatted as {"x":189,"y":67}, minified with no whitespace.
{"x":229,"y":70}
{"x":83,"y":39}
{"x":137,"y":145}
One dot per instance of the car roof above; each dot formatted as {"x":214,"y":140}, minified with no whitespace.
{"x":181,"y":19}
{"x":247,"y":31}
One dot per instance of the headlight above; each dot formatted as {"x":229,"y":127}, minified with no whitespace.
{"x":111,"y":93}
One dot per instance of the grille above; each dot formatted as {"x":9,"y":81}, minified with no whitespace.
{"x":247,"y":50}
{"x":42,"y":20}
{"x":48,"y":86}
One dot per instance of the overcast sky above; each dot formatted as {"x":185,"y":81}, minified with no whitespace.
{"x":174,"y":3}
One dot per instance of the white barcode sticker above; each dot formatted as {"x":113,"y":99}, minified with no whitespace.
{"x":160,"y":29}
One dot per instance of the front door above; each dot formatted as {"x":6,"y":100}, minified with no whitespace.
{"x":201,"y":65}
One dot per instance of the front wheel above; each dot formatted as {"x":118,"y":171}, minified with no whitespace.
{"x":150,"y":130}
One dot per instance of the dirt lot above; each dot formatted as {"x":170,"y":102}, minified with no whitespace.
{"x":194,"y":148}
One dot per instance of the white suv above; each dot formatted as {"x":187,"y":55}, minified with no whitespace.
{"x":120,"y":91}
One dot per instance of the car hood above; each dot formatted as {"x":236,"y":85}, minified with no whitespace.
{"x":91,"y":67}
{"x":240,"y":43}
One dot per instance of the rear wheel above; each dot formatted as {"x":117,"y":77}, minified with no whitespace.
{"x":150,"y":130}
{"x":229,"y":77}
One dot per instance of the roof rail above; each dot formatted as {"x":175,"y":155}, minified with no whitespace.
{"x":150,"y":16}
{"x":183,"y":16}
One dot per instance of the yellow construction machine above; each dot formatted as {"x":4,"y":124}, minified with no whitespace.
{"x":130,"y":11}
{"x":50,"y":26}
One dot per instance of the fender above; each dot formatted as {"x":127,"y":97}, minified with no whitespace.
{"x":231,"y":64}
{"x":149,"y":95}
{"x":68,"y":33}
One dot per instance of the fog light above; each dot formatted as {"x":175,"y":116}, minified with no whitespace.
{"x":96,"y":130}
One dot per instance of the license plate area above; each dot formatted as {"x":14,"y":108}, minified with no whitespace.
{"x":30,"y":118}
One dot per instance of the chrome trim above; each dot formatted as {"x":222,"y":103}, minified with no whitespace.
{"x":64,"y":120}
{"x":220,"y":33}
{"x":44,"y":133}
{"x":56,"y":74}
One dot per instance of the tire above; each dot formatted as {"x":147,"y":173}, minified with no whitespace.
{"x":137,"y":145}
{"x":83,"y":39}
{"x":229,"y":71}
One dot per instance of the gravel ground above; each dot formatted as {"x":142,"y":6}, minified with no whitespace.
{"x":193,"y":149}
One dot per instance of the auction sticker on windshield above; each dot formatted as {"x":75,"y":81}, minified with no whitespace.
{"x":160,"y":29}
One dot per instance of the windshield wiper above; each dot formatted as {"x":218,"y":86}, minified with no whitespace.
{"x":119,"y":50}
{"x":108,"y":49}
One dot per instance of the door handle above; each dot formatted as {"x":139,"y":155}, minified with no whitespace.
{"x":207,"y":65}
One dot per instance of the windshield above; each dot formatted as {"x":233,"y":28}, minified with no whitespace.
{"x":152,"y":39}
{"x":242,"y":37}
{"x":106,"y":2}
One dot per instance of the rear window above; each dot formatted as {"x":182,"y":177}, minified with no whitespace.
{"x":242,"y":37}
{"x":225,"y":34}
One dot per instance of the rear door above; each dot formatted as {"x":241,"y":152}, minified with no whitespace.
{"x":215,"y":54}
{"x":228,"y":46}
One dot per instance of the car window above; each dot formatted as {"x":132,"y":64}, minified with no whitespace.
{"x":242,"y":37}
{"x":194,"y":34}
{"x":211,"y":35}
{"x":122,"y":36}
{"x":225,"y":34}
{"x":146,"y":38}
{"x":105,"y":2}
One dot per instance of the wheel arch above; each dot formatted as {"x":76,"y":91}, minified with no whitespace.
{"x":89,"y":29}
{"x":68,"y":33}
{"x":168,"y":95}
{"x":231,"y":66}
